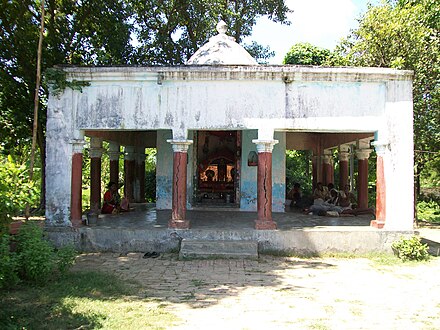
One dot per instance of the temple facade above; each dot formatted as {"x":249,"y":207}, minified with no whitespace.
{"x":221,"y":125}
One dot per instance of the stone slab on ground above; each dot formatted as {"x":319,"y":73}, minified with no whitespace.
{"x":218,"y":249}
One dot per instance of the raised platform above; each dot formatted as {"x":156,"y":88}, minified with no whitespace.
{"x":145,"y":229}
{"x":218,"y":249}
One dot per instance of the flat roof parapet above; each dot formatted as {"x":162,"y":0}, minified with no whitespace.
{"x":286,"y":73}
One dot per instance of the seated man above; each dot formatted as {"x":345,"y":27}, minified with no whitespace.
{"x":320,"y":192}
{"x":347,"y":201}
{"x":321,"y":207}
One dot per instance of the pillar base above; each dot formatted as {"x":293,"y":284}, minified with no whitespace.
{"x":76,"y":223}
{"x":379,"y":224}
{"x":178,"y":224}
{"x":265,"y":225}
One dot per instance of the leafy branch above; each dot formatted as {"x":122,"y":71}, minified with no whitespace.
{"x":57,"y":79}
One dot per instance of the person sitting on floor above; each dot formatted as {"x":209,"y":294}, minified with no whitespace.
{"x":347,"y":201}
{"x":321,"y":207}
{"x":112,"y":199}
{"x":320,"y":192}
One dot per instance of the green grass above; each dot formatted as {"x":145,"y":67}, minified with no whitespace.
{"x":82,"y":300}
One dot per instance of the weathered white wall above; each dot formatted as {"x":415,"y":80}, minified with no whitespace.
{"x":60,"y":134}
{"x":178,"y":99}
{"x":397,"y":130}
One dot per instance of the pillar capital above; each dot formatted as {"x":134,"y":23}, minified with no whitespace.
{"x":95,"y":142}
{"x":113,"y":155}
{"x":180,"y":145}
{"x":129,"y":153}
{"x":114,"y":151}
{"x":344,"y":156}
{"x":77,"y":145}
{"x":380,"y":147}
{"x":327,"y":159}
{"x":265,"y":145}
{"x":363,"y":154}
{"x":96,"y":152}
{"x":141,"y":157}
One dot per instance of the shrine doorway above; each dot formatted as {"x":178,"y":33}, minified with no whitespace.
{"x":217,"y":163}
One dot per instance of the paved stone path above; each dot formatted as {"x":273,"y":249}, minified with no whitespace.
{"x":283,"y":292}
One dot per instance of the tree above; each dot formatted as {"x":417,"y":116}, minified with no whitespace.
{"x":88,"y":32}
{"x":306,"y":54}
{"x":100,"y":32}
{"x":405,"y":34}
{"x":170,"y":31}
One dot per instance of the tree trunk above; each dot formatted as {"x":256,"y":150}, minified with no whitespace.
{"x":36,"y":101}
{"x":42,"y":148}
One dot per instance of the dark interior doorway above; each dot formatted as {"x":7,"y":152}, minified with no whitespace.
{"x":217,"y":168}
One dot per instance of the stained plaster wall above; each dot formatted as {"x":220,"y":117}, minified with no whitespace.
{"x":248,"y":178}
{"x":60,"y":136}
{"x":164,"y":171}
{"x":185,"y":98}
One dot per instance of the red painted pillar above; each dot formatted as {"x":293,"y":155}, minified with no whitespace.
{"x":343,"y":165}
{"x":129,"y":173}
{"x":362,"y":183}
{"x":113,"y":154}
{"x":76,"y":184}
{"x":264,"y":185}
{"x":180,"y":157}
{"x":95,"y":173}
{"x":379,"y":222}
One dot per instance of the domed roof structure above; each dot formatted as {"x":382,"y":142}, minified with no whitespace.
{"x":221,"y":50}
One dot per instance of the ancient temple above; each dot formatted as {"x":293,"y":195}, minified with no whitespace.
{"x":221,"y":125}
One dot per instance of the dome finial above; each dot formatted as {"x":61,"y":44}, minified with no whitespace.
{"x":221,"y":27}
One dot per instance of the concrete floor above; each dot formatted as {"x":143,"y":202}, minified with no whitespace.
{"x":145,"y":216}
{"x":146,"y":229}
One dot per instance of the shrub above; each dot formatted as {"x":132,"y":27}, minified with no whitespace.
{"x":428,"y":210}
{"x":34,"y":260}
{"x":8,"y":264}
{"x":36,"y":256}
{"x":15,"y":189}
{"x":410,"y":249}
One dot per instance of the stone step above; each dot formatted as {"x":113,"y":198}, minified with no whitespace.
{"x":218,"y":249}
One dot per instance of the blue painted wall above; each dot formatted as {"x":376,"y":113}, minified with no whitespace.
{"x":248,"y":178}
{"x":164,"y":170}
{"x":279,"y":173}
{"x":248,"y":184}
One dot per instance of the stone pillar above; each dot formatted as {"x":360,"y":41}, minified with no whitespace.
{"x":344,"y":155}
{"x":95,"y":173}
{"x":362,"y":183}
{"x":139,"y":191}
{"x":178,"y":216}
{"x":327,"y":167}
{"x":113,"y":155}
{"x":264,"y":184}
{"x":76,"y":183}
{"x":129,"y":172}
{"x":379,"y":222}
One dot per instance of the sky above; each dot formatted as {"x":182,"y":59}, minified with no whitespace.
{"x":320,"y":22}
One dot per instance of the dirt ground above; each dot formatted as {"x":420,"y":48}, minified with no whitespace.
{"x":283,"y":292}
